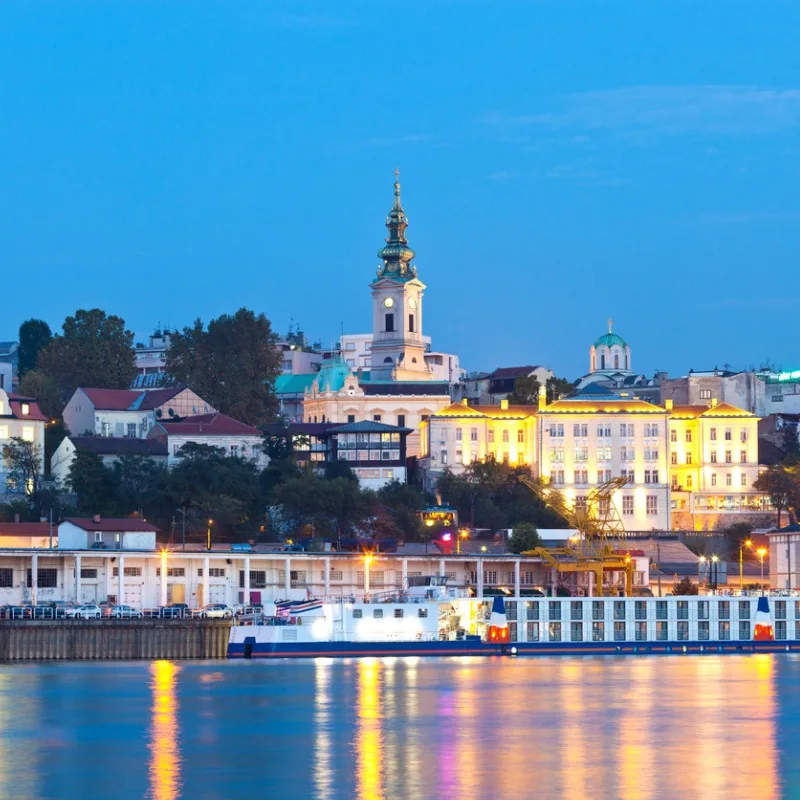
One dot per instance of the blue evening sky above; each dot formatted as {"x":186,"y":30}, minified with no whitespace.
{"x":562,"y":162}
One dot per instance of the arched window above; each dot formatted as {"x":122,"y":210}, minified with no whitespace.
{"x":616,"y":360}
{"x":594,"y":362}
{"x":602,"y":361}
{"x":626,"y":361}
{"x":387,"y":360}
{"x":413,"y":360}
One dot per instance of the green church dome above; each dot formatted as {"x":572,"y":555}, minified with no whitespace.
{"x":609,"y":340}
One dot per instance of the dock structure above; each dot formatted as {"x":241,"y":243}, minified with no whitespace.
{"x":61,"y":640}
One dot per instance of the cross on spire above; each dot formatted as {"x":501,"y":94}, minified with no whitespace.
{"x":610,"y":325}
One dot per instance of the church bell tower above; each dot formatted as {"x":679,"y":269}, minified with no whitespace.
{"x":398,"y":352}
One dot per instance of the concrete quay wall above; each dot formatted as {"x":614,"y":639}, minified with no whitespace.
{"x":113,"y":640}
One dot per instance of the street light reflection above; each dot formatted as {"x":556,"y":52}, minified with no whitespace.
{"x":165,"y":760}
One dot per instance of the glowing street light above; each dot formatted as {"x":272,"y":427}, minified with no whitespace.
{"x":368,"y":559}
{"x":761,"y":552}
{"x":462,"y":534}
{"x":701,"y":560}
{"x":208,"y":534}
{"x":746,"y":543}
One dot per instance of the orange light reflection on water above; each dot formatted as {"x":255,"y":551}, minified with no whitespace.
{"x":368,"y":738}
{"x":165,"y":759}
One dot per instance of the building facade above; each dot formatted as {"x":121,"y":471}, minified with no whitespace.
{"x":128,"y":412}
{"x":20,"y":418}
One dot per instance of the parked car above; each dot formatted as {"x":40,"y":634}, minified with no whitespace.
{"x":125,"y":612}
{"x":217,"y":611}
{"x":86,"y":611}
{"x":175,"y":611}
{"x":60,"y":608}
{"x":242,"y":547}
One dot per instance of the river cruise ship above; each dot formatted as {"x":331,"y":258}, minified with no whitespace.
{"x":433,"y":619}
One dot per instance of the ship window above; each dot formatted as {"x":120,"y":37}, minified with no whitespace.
{"x":377,"y":613}
{"x":423,"y":612}
{"x":356,"y":613}
{"x":398,"y":613}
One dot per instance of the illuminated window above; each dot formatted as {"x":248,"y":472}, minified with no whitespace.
{"x":505,"y":437}
{"x":703,"y":632}
{"x":520,"y":436}
{"x":473,"y":435}
{"x":27,"y":433}
{"x":652,"y":505}
{"x":728,"y":457}
{"x":743,"y":434}
{"x":26,"y":409}
{"x":743,"y":480}
{"x":627,"y":506}
{"x":713,"y":457}
{"x":688,"y":436}
{"x":713,"y":434}
{"x":673,"y":435}
{"x":713,"y":478}
{"x":491,"y":437}
{"x":674,"y":481}
{"x":688,"y":458}
{"x":688,"y":481}
{"x":674,"y":458}
{"x":458,"y":434}
{"x":580,"y":430}
{"x":705,"y":394}
{"x":728,"y":434}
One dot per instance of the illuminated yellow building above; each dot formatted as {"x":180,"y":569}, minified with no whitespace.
{"x":713,"y":466}
{"x":689,"y":467}
{"x":460,"y":434}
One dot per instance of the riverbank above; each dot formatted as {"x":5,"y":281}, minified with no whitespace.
{"x":35,"y":640}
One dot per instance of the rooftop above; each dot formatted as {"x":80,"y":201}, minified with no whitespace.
{"x":112,"y":525}
{"x":208,"y":425}
{"x":119,"y":445}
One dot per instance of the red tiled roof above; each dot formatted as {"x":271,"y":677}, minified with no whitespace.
{"x":15,"y":402}
{"x":111,"y":399}
{"x":209,"y":425}
{"x":26,"y":529}
{"x":111,"y":525}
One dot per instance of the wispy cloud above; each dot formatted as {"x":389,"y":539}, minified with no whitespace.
{"x":644,"y":111}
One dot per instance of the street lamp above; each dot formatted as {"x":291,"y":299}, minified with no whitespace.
{"x":208,"y":534}
{"x":761,"y":552}
{"x":714,"y":571}
{"x":428,"y":524}
{"x":367,"y":561}
{"x":746,"y":543}
{"x":462,"y":534}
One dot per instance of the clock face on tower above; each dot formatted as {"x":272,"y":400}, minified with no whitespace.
{"x":388,"y":302}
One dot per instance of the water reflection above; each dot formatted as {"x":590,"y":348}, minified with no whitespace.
{"x":323,"y":757}
{"x":368,"y":738}
{"x":165,"y":758}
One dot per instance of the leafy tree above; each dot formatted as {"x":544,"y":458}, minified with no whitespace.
{"x":34,"y":334}
{"x":94,"y":350}
{"x":685,"y":586}
{"x":44,"y":390}
{"x":524,"y":537}
{"x":402,"y":502}
{"x":93,"y":484}
{"x":558,"y":387}
{"x":54,"y":433}
{"x":140,"y":485}
{"x":526,"y":391}
{"x":23,"y":461}
{"x":790,"y":445}
{"x":213,"y":485}
{"x":233,"y":364}
{"x":488,"y":494}
{"x":783,"y":487}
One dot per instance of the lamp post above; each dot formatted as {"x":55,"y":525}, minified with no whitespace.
{"x":428,"y":524}
{"x":208,"y":534}
{"x":462,"y":534}
{"x":714,"y":571}
{"x":182,"y":512}
{"x":745,"y":543}
{"x":761,"y":552}
{"x":701,"y":560}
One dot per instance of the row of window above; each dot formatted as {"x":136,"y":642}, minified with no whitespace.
{"x":576,"y":631}
{"x":580,"y":430}
{"x":712,"y":434}
{"x":604,"y":453}
{"x":687,"y":457}
{"x":28,"y":433}
{"x":473,"y":435}
{"x":579,"y":609}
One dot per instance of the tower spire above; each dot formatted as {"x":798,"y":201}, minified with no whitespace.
{"x":610,"y":325}
{"x":396,"y":255}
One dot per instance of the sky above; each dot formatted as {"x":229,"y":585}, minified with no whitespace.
{"x":561,"y":162}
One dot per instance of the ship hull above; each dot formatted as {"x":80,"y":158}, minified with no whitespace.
{"x":262,"y":650}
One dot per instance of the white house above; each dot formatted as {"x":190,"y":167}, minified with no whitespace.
{"x":100,"y":533}
{"x":127,"y":412}
{"x":216,"y":430}
{"x":20,"y":417}
{"x":108,"y":448}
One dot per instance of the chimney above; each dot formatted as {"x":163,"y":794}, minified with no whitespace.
{"x":542,"y":397}
{"x":714,"y":402}
{"x":96,"y":518}
{"x":504,"y":404}
{"x":464,"y":401}
{"x":668,"y":404}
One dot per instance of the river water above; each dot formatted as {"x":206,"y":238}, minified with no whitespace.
{"x":697,"y":727}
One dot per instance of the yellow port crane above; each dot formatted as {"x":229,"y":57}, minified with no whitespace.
{"x":596,"y":520}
